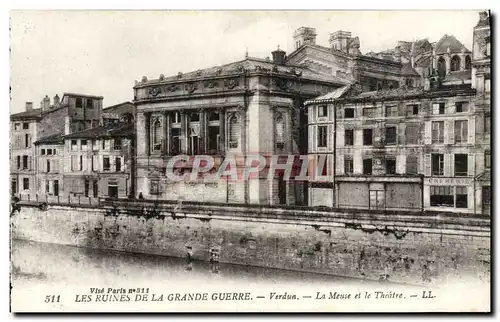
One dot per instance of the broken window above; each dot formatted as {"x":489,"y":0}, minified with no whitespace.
{"x":105,"y":164}
{"x":234,"y":132}
{"x":26,"y":183}
{"x":369,"y":112}
{"x":78,"y":102}
{"x":48,"y":165}
{"x":118,"y":164}
{"x":90,"y":103}
{"x":461,"y":131}
{"x":390,"y":135}
{"x":468,"y":63}
{"x":117,"y":144}
{"x":194,"y":117}
{"x":412,"y":164}
{"x":437,"y":164}
{"x":17,"y":126}
{"x":84,"y":145}
{"x":438,"y":132}
{"x":367,"y":166}
{"x":367,"y":136}
{"x":461,"y":165}
{"x":455,"y":63}
{"x":322,"y":111}
{"x":74,"y":145}
{"x":461,"y":107}
{"x":322,"y":137}
{"x":390,"y":166}
{"x":43,"y":152}
{"x":25,"y":162}
{"x":438,"y":108}
{"x":348,"y":113}
{"x":194,"y":141}
{"x":49,"y":152}
{"x":441,"y":196}
{"x":154,"y":187}
{"x":391,"y":111}
{"x":280,"y":132}
{"x":157,"y":135}
{"x":461,"y":197}
{"x":349,"y":137}
{"x":26,"y":126}
{"x":175,"y":144}
{"x":348,"y":165}
{"x":412,"y":109}
{"x":441,"y":67}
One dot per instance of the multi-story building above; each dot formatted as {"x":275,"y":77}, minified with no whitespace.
{"x":49,"y":152}
{"x":99,"y":162}
{"x":231,"y":111}
{"x":23,"y":133}
{"x":481,"y":76}
{"x":406,"y":148}
{"x":78,"y":166}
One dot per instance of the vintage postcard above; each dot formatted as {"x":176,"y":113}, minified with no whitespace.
{"x":250,"y":161}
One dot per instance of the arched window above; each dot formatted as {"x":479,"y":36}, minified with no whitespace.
{"x":234,"y":132}
{"x":157,"y":136}
{"x":279,"y":134}
{"x":441,"y":65}
{"x":455,"y":63}
{"x":468,"y":63}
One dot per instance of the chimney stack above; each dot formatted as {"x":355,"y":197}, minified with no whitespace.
{"x":56,"y":100}
{"x":46,"y":103}
{"x":279,"y":56}
{"x":29,"y":106}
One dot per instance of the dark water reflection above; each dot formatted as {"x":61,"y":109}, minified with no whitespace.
{"x":51,"y":263}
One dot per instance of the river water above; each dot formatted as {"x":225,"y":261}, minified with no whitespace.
{"x":39,"y":270}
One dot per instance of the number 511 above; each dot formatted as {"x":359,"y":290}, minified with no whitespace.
{"x":52,"y":298}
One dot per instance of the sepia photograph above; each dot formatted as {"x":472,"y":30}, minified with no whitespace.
{"x":334,"y":161}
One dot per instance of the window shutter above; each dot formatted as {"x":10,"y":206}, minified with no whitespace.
{"x":312,"y":130}
{"x":339,"y":165}
{"x":329,"y":135}
{"x":449,"y":130}
{"x":340,"y":135}
{"x":471,"y":130}
{"x":313,"y":113}
{"x":427,"y":165}
{"x":29,"y":162}
{"x":448,"y":164}
{"x":471,"y":165}
{"x":401,"y":134}
{"x":428,"y":133}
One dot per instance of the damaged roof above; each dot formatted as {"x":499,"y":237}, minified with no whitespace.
{"x":449,"y":41}
{"x":120,"y":130}
{"x":51,"y":139}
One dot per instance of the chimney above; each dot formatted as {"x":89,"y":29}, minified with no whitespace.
{"x":279,"y":56}
{"x":56,"y":100}
{"x":45,"y":103}
{"x":29,"y":106}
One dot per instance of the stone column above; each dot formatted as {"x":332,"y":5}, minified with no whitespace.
{"x":203,"y":131}
{"x":148,"y":133}
{"x":184,"y":132}
{"x":222,"y":131}
{"x":166,"y":133}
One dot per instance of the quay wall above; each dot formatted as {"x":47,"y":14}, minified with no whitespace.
{"x":397,"y":247}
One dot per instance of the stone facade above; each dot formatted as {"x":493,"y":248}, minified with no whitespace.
{"x":230,"y":111}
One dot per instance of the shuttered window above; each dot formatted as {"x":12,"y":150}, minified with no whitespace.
{"x":461,"y":133}
{"x":438,"y":132}
{"x":412,"y":133}
{"x":441,"y":196}
{"x":412,"y":164}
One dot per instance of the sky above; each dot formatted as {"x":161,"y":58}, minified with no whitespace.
{"x":104,"y":52}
